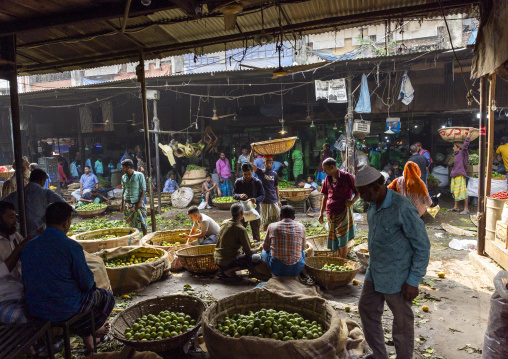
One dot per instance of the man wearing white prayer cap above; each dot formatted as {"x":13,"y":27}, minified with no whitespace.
{"x":399,"y":251}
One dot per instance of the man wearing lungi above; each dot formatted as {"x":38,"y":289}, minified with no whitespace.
{"x":339,"y":196}
{"x":458,"y":185}
{"x":271,"y":205}
{"x":134,"y":188}
{"x":224,"y":172}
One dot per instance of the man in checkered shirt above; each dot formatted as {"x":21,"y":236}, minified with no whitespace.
{"x":283,"y":249}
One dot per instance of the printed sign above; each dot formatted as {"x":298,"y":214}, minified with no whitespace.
{"x":392,"y":125}
{"x":483,"y":130}
{"x":334,"y":90}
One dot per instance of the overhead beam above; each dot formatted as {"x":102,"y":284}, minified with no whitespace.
{"x":331,"y":22}
{"x":103,"y":12}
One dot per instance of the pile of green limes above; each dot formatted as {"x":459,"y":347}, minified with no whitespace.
{"x":124,"y":261}
{"x":224,"y":199}
{"x":166,"y":244}
{"x":92,"y":207}
{"x":166,"y":324}
{"x":269,"y":323}
{"x":336,"y":268}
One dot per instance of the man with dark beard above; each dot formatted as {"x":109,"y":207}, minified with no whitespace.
{"x":12,"y":302}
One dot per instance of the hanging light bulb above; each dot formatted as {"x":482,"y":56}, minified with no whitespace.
{"x":196,"y":123}
{"x":312,"y":124}
{"x":335,"y":127}
{"x":493,"y":107}
{"x":282,"y":131}
{"x":215,"y":117}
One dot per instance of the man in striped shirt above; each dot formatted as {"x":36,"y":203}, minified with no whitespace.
{"x":283,"y":249}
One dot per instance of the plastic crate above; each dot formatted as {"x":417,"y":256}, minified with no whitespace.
{"x":47,"y":161}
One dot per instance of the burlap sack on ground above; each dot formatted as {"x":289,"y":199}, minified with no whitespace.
{"x":315,"y":200}
{"x":126,"y":353}
{"x":292,"y":286}
{"x":137,"y":276}
{"x":100,"y":274}
{"x":328,"y":346}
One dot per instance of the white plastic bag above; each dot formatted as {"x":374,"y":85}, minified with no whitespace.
{"x":202,"y":205}
{"x":463,"y":244}
{"x":182,"y":197}
{"x":249,"y":211}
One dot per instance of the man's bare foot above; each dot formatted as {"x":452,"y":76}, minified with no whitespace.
{"x":102,"y":331}
{"x":88,"y":341}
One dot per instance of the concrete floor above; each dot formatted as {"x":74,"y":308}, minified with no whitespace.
{"x":459,"y":304}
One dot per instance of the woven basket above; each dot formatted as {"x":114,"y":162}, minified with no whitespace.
{"x":320,"y":244}
{"x":329,"y":279}
{"x":198,"y":259}
{"x":92,"y":213}
{"x":172,"y":236}
{"x":165,"y":198}
{"x":458,"y":134}
{"x":311,"y":308}
{"x":187,"y":304}
{"x":296,"y":196}
{"x":223,"y":206}
{"x":274,"y":147}
{"x":114,"y":206}
{"x":91,"y":242}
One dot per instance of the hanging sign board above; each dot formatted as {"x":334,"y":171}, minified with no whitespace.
{"x":392,"y":125}
{"x":334,"y":90}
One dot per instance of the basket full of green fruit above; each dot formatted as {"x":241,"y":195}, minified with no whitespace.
{"x":224,"y":203}
{"x":91,"y":210}
{"x":331,"y":272}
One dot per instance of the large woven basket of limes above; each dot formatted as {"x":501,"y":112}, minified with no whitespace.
{"x":95,"y":241}
{"x":160,"y":324}
{"x":320,"y":245}
{"x":166,"y":240}
{"x":198,"y":259}
{"x":91,"y":210}
{"x":224,"y":203}
{"x":273,"y":325}
{"x":330,"y":272}
{"x":133,"y":268}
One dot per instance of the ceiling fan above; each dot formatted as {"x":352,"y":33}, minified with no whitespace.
{"x":232,"y":9}
{"x":215,"y":117}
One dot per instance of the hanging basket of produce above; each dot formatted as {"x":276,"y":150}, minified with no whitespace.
{"x":133,"y":268}
{"x":95,"y":241}
{"x":91,"y":210}
{"x":458,"y":134}
{"x":252,"y":323}
{"x":274,"y":147}
{"x":176,"y":319}
{"x":224,"y":203}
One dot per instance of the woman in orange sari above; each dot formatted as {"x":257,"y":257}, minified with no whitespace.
{"x":411,"y":186}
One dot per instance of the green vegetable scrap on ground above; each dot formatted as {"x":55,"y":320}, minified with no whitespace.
{"x":224,"y":200}
{"x":94,"y":224}
{"x":269,"y":323}
{"x":157,"y":327}
{"x":92,"y":207}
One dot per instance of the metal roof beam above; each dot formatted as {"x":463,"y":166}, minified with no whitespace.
{"x":106,"y":11}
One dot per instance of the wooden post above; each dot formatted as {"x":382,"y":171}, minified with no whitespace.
{"x":157,"y":165}
{"x":8,"y":53}
{"x":140,"y":72}
{"x":482,"y":220}
{"x":490,"y":128}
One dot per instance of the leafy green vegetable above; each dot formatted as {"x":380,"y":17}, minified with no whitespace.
{"x":194,"y":167}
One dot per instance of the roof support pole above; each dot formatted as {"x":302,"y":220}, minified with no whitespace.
{"x":482,"y":220}
{"x":350,"y":142}
{"x":140,"y":72}
{"x":490,"y":135}
{"x":10,"y":73}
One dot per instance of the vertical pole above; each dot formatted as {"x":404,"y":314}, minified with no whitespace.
{"x":81,"y":144}
{"x":482,"y":220}
{"x":157,"y":167}
{"x":140,"y":72}
{"x":490,"y":129}
{"x":8,"y":53}
{"x":350,"y":147}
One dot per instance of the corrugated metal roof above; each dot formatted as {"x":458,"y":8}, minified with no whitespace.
{"x":51,"y":38}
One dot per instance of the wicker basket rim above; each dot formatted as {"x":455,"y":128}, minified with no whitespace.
{"x":89,"y":211}
{"x":271,"y":142}
{"x":97,"y":231}
{"x":181,"y":254}
{"x":349,"y":263}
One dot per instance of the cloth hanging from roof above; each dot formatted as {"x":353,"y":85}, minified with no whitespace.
{"x":363,"y":105}
{"x":406,"y":93}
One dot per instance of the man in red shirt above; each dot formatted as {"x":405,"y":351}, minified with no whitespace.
{"x":339,"y":196}
{"x":61,"y":174}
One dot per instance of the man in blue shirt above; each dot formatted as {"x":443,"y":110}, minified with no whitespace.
{"x":170,"y":186}
{"x":271,"y":205}
{"x":399,"y":251}
{"x":87,"y":182}
{"x":58,"y":282}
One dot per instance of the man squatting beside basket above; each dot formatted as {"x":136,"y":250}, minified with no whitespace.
{"x":399,"y":249}
{"x":209,"y":229}
{"x":338,"y":190}
{"x":134,"y":188}
{"x":271,"y":205}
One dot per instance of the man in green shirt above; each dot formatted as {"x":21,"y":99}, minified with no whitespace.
{"x":134,"y":188}
{"x":233,"y":238}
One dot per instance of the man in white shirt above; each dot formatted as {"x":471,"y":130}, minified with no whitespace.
{"x":209,"y":229}
{"x":12,"y":303}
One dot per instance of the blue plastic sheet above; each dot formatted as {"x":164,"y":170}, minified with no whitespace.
{"x":363,"y":105}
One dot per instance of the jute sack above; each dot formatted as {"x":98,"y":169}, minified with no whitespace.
{"x":91,"y":242}
{"x":136,"y":276}
{"x":328,"y":346}
{"x":316,"y":199}
{"x":193,"y":174}
{"x":100,"y":274}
